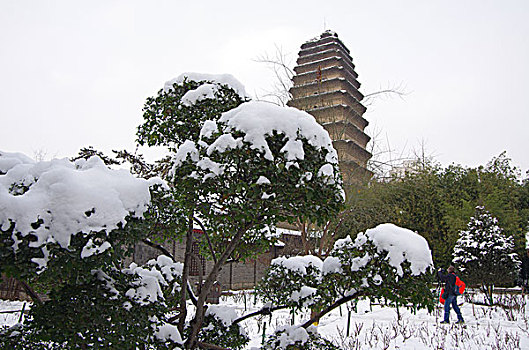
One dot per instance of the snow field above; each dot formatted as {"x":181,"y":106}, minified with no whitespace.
{"x":378,"y":327}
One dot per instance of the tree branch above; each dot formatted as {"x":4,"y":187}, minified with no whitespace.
{"x":283,"y":74}
{"x":158,"y":247}
{"x":329,"y":308}
{"x":397,"y":90}
{"x":196,"y":323}
{"x":29,"y":291}
{"x":207,"y":238}
{"x":264,"y":311}
{"x":192,"y":295}
{"x":185,"y":273}
{"x":210,"y":346}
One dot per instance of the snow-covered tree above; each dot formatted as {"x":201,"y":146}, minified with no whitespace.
{"x":485,"y":255}
{"x":240,"y":171}
{"x":387,"y":262}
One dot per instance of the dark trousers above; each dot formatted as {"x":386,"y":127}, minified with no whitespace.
{"x":452,"y":301}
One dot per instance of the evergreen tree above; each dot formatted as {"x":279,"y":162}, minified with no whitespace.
{"x":484,"y":254}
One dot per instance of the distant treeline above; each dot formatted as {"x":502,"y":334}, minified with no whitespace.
{"x":437,"y":202}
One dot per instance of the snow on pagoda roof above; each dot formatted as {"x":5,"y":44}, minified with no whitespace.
{"x":325,"y":34}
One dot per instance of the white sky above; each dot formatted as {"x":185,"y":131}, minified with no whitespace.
{"x":76,"y":73}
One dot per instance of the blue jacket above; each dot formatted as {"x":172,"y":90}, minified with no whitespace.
{"x":449,"y":279}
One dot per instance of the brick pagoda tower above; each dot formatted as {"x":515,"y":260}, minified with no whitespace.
{"x":325,"y":86}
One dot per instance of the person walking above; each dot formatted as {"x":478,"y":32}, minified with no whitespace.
{"x":449,"y":278}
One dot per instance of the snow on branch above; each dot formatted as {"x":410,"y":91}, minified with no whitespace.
{"x":402,"y":245}
{"x":54,"y":200}
{"x":206,"y":89}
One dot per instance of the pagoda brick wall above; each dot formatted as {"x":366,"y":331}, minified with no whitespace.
{"x":326,"y":86}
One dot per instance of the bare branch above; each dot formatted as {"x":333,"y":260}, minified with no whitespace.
{"x":387,"y":92}
{"x":280,"y":66}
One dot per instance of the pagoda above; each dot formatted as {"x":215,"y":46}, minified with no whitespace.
{"x":326,"y":86}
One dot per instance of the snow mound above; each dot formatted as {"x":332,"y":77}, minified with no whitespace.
{"x":402,"y":245}
{"x":10,"y":160}
{"x":202,"y":92}
{"x":168,"y":332}
{"x":151,"y":277}
{"x":304,"y":293}
{"x":332,"y":264}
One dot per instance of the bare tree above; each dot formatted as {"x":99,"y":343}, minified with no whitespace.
{"x":279,"y":63}
{"x":40,"y":155}
{"x":387,"y":92}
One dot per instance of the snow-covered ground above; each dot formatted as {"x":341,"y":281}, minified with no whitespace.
{"x":378,"y":327}
{"x":8,"y":318}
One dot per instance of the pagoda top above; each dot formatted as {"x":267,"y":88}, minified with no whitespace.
{"x":328,"y":37}
{"x":325,"y":34}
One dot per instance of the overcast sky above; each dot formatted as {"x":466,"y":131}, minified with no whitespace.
{"x":76,"y":73}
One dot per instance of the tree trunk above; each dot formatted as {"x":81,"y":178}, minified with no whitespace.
{"x":304,"y":227}
{"x":29,"y":291}
{"x":196,"y":324}
{"x":185,"y":275}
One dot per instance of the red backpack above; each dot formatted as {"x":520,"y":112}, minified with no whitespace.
{"x":460,"y":289}
{"x":460,"y":286}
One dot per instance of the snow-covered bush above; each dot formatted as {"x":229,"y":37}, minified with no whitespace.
{"x":259,"y":164}
{"x":298,"y":338}
{"x":44,"y":205}
{"x":219,"y":329}
{"x":387,"y":262}
{"x":292,"y":281}
{"x":485,"y":255}
{"x":177,"y":112}
{"x":122,"y":309}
